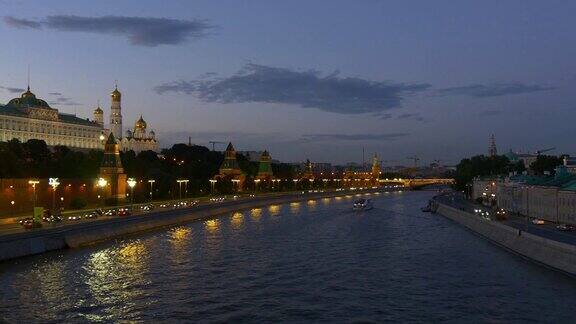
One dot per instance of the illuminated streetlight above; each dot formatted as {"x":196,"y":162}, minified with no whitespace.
{"x":131,"y":184}
{"x":34,"y":183}
{"x":235,"y":183}
{"x":212,"y":184}
{"x":151,"y":182}
{"x":101,"y":184}
{"x":53,"y":182}
{"x":180,"y":182}
{"x":256,"y":182}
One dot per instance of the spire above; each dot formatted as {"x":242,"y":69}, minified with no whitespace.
{"x":492,"y":151}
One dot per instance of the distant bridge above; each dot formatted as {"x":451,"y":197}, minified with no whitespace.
{"x":416,"y":183}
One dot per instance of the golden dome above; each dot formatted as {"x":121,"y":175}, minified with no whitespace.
{"x":140,"y":123}
{"x":98,"y":111}
{"x":116,"y":95}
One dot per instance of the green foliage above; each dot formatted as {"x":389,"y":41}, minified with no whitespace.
{"x":545,"y":163}
{"x":481,"y":165}
{"x":78,"y":203}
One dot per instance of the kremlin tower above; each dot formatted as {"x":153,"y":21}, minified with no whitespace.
{"x":116,"y":113}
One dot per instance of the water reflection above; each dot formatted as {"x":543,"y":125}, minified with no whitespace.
{"x":212,"y":225}
{"x":294,"y":207}
{"x":237,"y":220}
{"x":274,"y":210}
{"x":325,"y":201}
{"x":256,"y":213}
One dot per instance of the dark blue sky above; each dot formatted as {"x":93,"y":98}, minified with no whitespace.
{"x":316,"y":79}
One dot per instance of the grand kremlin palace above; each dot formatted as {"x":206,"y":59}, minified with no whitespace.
{"x":28,"y":118}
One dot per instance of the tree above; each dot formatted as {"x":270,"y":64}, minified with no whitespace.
{"x":545,"y":163}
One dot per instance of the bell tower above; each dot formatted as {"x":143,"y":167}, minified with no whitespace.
{"x":116,"y":113}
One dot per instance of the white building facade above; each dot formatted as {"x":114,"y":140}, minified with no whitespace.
{"x":28,"y":117}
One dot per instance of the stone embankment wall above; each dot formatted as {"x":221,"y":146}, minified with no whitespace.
{"x":551,"y":253}
{"x":75,"y":235}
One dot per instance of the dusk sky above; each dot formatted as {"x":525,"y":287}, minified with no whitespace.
{"x":309,"y":79}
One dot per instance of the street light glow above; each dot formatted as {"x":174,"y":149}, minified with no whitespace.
{"x":102,"y":182}
{"x":131,"y":182}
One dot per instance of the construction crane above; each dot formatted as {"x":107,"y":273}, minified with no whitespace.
{"x":214,"y":144}
{"x":538,"y":152}
{"x":415,"y":159}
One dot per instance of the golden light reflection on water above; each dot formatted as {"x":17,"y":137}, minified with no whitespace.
{"x":325,"y":201}
{"x":50,"y":283}
{"x":338,"y":198}
{"x":212,"y":225}
{"x":311,"y":204}
{"x":237,"y":220}
{"x":117,"y":276}
{"x":256,"y":213}
{"x":180,"y":235}
{"x":274,"y":210}
{"x":294,"y":207}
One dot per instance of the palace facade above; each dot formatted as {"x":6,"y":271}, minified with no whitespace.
{"x":28,"y":118}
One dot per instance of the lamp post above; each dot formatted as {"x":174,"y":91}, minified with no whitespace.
{"x":235,"y":184}
{"x":212,"y":184}
{"x":34,"y":183}
{"x":256,"y":182}
{"x":53,"y":182}
{"x":101,"y":184}
{"x":131,"y":183}
{"x":295,"y":183}
{"x":151,"y":182}
{"x":180,"y":182}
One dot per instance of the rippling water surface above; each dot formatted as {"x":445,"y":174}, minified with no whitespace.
{"x":301,"y":262}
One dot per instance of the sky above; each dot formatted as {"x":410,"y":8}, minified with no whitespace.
{"x":308,"y":79}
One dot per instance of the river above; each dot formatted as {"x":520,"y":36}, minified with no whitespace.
{"x":315,"y":261}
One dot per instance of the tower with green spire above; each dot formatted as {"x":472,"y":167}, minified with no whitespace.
{"x":230,"y":170}
{"x":265,"y":167}
{"x":112,"y":171}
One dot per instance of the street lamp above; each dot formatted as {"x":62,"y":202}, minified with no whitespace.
{"x":295,"y":183}
{"x":131,"y":184}
{"x":180,"y":182}
{"x":151,"y":182}
{"x":212,"y":184}
{"x":235,"y":183}
{"x":256,"y":181}
{"x":53,"y":182}
{"x":101,"y":184}
{"x":34,"y":183}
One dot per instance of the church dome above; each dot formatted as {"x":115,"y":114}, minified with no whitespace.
{"x":98,"y":111}
{"x":28,"y":99}
{"x":140,"y":124}
{"x":116,"y":95}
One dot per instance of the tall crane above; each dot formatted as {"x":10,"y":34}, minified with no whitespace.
{"x":538,"y":152}
{"x":415,"y":159}
{"x":214,"y":144}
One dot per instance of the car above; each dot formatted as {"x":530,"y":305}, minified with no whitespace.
{"x":501,"y":214}
{"x":566,"y":227}
{"x":74,"y":217}
{"x":163,"y":205}
{"x":147,"y":207}
{"x":123,"y":212}
{"x":111,"y":212}
{"x":91,"y":215}
{"x":29,"y":223}
{"x":537,"y":221}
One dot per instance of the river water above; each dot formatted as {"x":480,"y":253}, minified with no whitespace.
{"x":315,"y":261}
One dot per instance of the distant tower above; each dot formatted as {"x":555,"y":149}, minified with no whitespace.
{"x":492,"y":152}
{"x":112,"y":171}
{"x":265,"y":167}
{"x":116,"y":113}
{"x":99,"y":115}
{"x":375,"y":167}
{"x":308,"y":170}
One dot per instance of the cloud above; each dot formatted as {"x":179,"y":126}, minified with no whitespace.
{"x":493,"y":90}
{"x":64,"y":101}
{"x":13,"y":90}
{"x":354,"y":137}
{"x":411,"y":116}
{"x":142,"y":31}
{"x":55,"y":93}
{"x":309,"y":89}
{"x":22,"y":23}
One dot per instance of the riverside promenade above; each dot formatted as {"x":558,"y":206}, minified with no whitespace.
{"x":18,"y":242}
{"x":539,"y":243}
